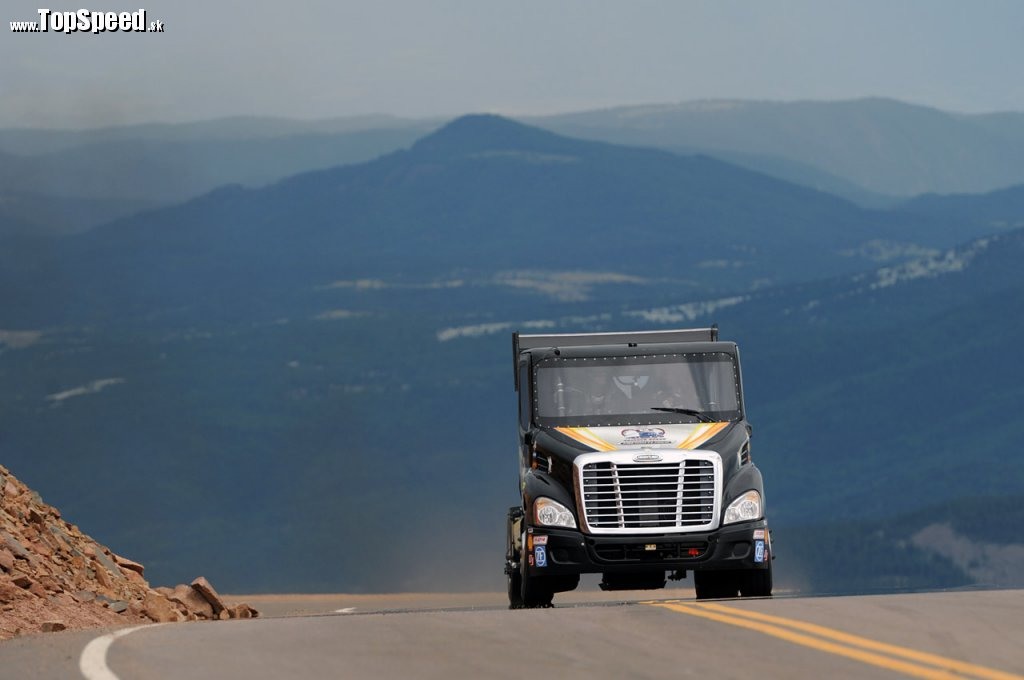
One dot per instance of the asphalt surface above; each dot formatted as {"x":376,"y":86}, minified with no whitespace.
{"x":658,"y":634}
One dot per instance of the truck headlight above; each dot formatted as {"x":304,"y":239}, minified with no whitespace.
{"x":552,"y":513}
{"x":745,"y":508}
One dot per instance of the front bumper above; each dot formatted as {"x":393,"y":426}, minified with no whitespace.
{"x":565,"y":551}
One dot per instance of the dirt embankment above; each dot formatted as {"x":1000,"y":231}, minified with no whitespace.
{"x":54,"y":577}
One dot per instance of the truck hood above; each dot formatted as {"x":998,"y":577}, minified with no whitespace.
{"x":678,"y":436}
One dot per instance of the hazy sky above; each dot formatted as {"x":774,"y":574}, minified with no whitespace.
{"x":325,"y":58}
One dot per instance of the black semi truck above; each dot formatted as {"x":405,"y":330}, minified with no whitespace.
{"x":634,"y":462}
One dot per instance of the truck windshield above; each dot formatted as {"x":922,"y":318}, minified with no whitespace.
{"x":614,"y":390}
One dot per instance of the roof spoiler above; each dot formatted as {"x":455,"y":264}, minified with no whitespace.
{"x":524,"y":342}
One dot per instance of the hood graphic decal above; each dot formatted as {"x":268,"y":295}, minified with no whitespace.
{"x":687,"y":436}
{"x":587,"y":437}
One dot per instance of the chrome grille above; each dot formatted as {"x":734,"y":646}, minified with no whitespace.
{"x":677,"y":494}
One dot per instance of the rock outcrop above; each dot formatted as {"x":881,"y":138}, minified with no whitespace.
{"x":54,"y":577}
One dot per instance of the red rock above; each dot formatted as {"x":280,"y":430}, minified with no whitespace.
{"x":160,"y":609}
{"x":107,"y":593}
{"x":85,"y":596}
{"x":109,"y":565}
{"x":15,"y":546}
{"x":64,"y":599}
{"x":10,"y":592}
{"x":242,"y":611}
{"x":127,"y":564}
{"x":136,"y":578}
{"x":206,"y":590}
{"x":51,"y":584}
{"x":51,"y":573}
{"x":101,"y":575}
{"x":192,"y":601}
{"x":47,"y":537}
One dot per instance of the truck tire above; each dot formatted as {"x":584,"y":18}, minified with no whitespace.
{"x":716,"y":585}
{"x":512,"y":560}
{"x":515,"y":589}
{"x":535,"y":591}
{"x":756,"y":582}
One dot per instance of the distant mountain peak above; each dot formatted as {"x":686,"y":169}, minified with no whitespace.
{"x":487,"y":132}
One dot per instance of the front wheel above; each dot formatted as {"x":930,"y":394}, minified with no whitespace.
{"x":756,"y":582}
{"x":513,"y":558}
{"x":515,"y":589}
{"x":536,"y":591}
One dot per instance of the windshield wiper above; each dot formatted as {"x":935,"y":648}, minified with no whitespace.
{"x":699,"y":415}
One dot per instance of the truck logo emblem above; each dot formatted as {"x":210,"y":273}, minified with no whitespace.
{"x":647,"y":458}
{"x":643,"y":433}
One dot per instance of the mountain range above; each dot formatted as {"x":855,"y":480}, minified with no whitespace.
{"x":880,"y":146}
{"x":483,"y":194}
{"x":119,"y":175}
{"x":874,"y":152}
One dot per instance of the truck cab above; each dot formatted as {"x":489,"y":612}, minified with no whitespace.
{"x":634,"y":462}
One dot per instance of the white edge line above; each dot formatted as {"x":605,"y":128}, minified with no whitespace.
{"x":346,"y":610}
{"x":93,"y":662}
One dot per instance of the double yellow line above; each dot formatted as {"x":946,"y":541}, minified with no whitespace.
{"x":891,"y":657}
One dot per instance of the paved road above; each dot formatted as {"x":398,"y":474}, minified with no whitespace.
{"x":976,"y":634}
